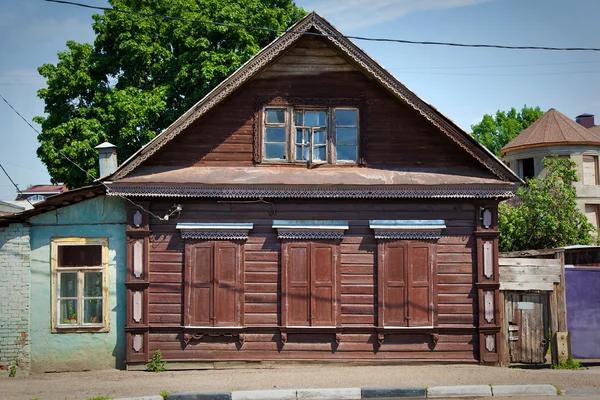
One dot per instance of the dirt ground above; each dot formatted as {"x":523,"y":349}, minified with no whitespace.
{"x":115,"y":383}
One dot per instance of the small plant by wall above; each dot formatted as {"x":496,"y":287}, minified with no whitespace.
{"x":156,"y":364}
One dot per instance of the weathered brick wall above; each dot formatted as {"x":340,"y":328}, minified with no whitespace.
{"x":14,"y":298}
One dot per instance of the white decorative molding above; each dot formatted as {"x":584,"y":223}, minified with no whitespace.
{"x":488,"y":259}
{"x":137,"y":343}
{"x":487,"y":218}
{"x":277,"y":47}
{"x":490,"y":343}
{"x":310,"y":229}
{"x":137,"y":219}
{"x":489,"y":306}
{"x":407,"y":229}
{"x":138,"y":258}
{"x":137,"y":306}
{"x":408,"y":192}
{"x":206,"y":231}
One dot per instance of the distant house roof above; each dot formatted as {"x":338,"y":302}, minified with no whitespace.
{"x":49,"y":189}
{"x":553,"y":128}
{"x":595,"y":130}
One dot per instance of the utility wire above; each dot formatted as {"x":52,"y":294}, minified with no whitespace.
{"x":15,"y":185}
{"x":371,"y":39}
{"x":74,"y":163}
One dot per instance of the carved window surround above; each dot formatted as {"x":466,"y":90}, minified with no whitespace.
{"x":222,"y":231}
{"x":407,"y":229}
{"x":302,"y":230}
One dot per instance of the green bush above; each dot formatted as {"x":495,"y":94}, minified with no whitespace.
{"x":156,"y":364}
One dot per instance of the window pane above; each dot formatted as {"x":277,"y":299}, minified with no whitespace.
{"x":275,"y":151}
{"x":302,"y":153}
{"x":80,"y":256}
{"x":68,"y":284}
{"x":276,"y":116}
{"x":315,"y":118}
{"x":302,"y":136}
{"x":347,"y":153}
{"x":319,"y":137}
{"x":92,"y":311}
{"x":275,"y":135}
{"x":298,"y":121}
{"x":92,"y":284}
{"x":346,"y":117}
{"x":346,"y":136}
{"x":67,"y":312}
{"x":319,"y":153}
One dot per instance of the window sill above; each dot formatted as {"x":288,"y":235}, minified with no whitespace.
{"x":80,"y":329}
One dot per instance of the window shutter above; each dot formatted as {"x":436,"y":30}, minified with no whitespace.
{"x":323,"y":281}
{"x":419,"y":280}
{"x":226,"y":284}
{"x":298,"y":284}
{"x":201,"y":285}
{"x":395,"y":290}
{"x":589,"y":170}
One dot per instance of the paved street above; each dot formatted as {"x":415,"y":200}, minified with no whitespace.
{"x":113,"y":383}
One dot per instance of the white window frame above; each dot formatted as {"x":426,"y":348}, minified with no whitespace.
{"x":80,"y":325}
{"x":331,"y":136}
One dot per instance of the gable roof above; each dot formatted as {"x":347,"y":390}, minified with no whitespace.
{"x":595,"y":130}
{"x":553,"y":128}
{"x":49,"y":189}
{"x":315,"y":24}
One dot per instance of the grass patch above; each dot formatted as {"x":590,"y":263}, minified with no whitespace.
{"x":164,"y":394}
{"x":569,"y":364}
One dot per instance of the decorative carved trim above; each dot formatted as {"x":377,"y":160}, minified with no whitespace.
{"x":490,"y":343}
{"x":338,"y":338}
{"x":284,"y":337}
{"x":137,"y":343}
{"x":489,"y":306}
{"x":410,"y":192}
{"x":487,"y":218}
{"x":395,"y":234}
{"x":301,"y":234}
{"x":269,"y":53}
{"x":137,"y":219}
{"x":488,"y":261}
{"x":137,"y":307}
{"x":234,"y":234}
{"x":380,"y":338}
{"x":138,"y":258}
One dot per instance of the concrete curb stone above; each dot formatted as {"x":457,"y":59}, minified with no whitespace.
{"x":198,"y":396}
{"x":524,"y":390}
{"x":394,"y":393}
{"x":581,"y":391}
{"x":329,"y":394}
{"x":263,"y":395}
{"x":460,"y":391}
{"x":142,"y":398}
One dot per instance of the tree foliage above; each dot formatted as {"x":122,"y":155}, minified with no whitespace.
{"x":495,"y":132}
{"x":545,"y":214}
{"x":142,"y":73}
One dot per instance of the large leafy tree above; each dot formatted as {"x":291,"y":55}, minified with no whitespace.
{"x":495,"y":132}
{"x":545,"y":214}
{"x":142,"y":73}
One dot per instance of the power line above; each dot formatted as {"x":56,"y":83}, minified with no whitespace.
{"x":371,"y":39}
{"x":15,"y":185}
{"x":74,"y":163}
{"x":402,"y":69}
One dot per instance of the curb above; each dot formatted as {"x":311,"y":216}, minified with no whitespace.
{"x":198,"y":396}
{"x":460,"y":391}
{"x":264,"y":395}
{"x":394,"y":393}
{"x":144,"y":398}
{"x":524,"y":390}
{"x":329,"y":394}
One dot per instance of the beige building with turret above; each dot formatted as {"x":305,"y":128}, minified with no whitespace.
{"x":555,"y":133}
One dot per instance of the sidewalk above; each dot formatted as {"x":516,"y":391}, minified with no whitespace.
{"x":126,"y":384}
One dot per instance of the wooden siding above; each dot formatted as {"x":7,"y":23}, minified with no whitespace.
{"x":392,"y":133}
{"x":455,"y":299}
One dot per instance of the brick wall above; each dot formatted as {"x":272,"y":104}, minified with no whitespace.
{"x":14,"y":298}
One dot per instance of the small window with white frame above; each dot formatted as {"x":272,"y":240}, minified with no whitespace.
{"x":80,"y":284}
{"x":314,"y":135}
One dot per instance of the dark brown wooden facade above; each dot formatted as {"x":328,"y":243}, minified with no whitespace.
{"x":357,"y":295}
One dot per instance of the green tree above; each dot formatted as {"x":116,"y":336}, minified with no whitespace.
{"x":142,"y":73}
{"x":495,"y":132}
{"x":545,"y":214}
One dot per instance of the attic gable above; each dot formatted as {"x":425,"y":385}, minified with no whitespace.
{"x":264,"y":59}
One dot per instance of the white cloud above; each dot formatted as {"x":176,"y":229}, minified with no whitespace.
{"x":363,"y":13}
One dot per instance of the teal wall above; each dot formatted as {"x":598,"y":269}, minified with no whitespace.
{"x":102,"y":217}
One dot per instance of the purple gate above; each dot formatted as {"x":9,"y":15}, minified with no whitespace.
{"x":583,"y":310}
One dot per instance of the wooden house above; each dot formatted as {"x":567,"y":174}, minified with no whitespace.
{"x":311,"y":207}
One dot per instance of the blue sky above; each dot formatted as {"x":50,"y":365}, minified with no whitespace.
{"x":462,"y":83}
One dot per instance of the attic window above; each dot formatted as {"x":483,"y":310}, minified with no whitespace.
{"x":310,"y":135}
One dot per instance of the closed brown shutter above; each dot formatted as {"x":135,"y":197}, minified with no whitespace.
{"x":323,"y":280}
{"x":394,"y":283}
{"x":419,"y":280}
{"x":298,"y":284}
{"x":201,"y":285}
{"x":226,"y":284}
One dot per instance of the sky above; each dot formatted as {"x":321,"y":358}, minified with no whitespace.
{"x":462,"y":83}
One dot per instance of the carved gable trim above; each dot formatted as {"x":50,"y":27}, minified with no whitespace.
{"x":279,"y":45}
